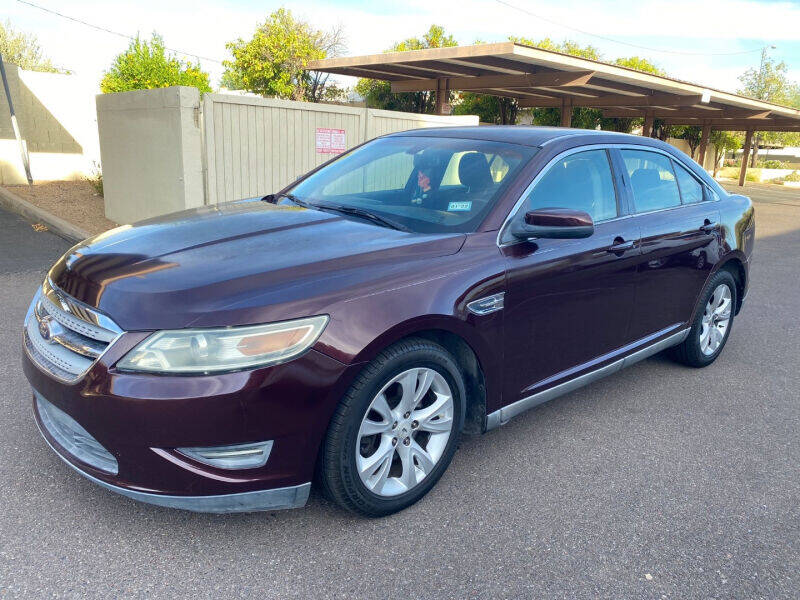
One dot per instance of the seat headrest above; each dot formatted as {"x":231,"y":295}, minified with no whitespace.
{"x":473,"y":171}
{"x":645,"y":178}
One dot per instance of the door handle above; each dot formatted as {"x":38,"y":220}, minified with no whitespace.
{"x":621,"y":246}
{"x":709,"y":227}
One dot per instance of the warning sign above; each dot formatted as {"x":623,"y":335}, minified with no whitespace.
{"x":330,"y":141}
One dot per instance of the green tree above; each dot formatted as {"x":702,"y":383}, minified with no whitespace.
{"x":770,"y":82}
{"x":22,"y":49}
{"x":378,"y":94}
{"x":146,"y":65}
{"x":722,"y":142}
{"x":640,"y":64}
{"x":273,"y":62}
{"x":690,"y":133}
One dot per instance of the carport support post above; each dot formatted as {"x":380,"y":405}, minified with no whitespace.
{"x":442,"y":93}
{"x":647,"y":128}
{"x":566,"y":112}
{"x":748,"y":141}
{"x":701,"y":158}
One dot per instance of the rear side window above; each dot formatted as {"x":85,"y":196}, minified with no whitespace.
{"x":580,"y":181}
{"x":691,"y":189}
{"x":652,"y":179}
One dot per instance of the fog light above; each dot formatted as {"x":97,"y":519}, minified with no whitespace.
{"x":240,"y":456}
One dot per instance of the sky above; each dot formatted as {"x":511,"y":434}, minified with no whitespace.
{"x":709,"y":42}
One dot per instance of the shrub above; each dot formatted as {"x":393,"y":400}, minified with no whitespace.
{"x":146,"y":65}
{"x":772,"y":164}
{"x":794,"y":176}
{"x":96,"y":180}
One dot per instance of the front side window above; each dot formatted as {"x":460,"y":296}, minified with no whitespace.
{"x":691,"y":189}
{"x":580,"y":181}
{"x":652,"y":179}
{"x":424,"y":184}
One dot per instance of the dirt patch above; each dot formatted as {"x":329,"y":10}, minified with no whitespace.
{"x":73,"y":201}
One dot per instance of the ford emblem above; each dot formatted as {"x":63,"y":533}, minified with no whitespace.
{"x":44,"y":329}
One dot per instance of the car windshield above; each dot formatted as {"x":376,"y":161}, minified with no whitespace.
{"x":419,"y":184}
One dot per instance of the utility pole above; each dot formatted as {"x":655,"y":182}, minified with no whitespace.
{"x":23,"y":151}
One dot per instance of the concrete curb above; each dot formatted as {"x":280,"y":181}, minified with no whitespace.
{"x":57,"y":225}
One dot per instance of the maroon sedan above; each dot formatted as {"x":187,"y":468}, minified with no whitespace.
{"x":348,"y":329}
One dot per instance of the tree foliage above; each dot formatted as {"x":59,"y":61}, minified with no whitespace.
{"x":722,"y":142}
{"x":378,"y":94}
{"x":770,"y":82}
{"x":147,"y":65}
{"x":22,"y":49}
{"x":273,"y":62}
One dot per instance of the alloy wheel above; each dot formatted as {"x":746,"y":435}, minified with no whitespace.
{"x":404,"y":432}
{"x":716,"y":319}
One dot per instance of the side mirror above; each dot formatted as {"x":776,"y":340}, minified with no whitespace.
{"x":555,"y":223}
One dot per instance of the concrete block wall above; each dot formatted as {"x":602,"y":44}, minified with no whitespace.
{"x":150,"y":147}
{"x":57,"y":122}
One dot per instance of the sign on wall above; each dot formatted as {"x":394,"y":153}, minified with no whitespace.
{"x":330,"y":141}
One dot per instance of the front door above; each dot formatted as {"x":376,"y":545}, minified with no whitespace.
{"x":680,"y":239}
{"x":568,"y":302}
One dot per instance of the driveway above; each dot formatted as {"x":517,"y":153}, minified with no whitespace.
{"x":658,"y":482}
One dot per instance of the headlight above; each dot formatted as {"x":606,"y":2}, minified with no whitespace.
{"x":227,"y":349}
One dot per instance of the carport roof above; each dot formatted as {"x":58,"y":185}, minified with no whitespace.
{"x":543,"y":78}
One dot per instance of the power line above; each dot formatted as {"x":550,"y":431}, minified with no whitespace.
{"x":608,"y":39}
{"x":117,"y":33}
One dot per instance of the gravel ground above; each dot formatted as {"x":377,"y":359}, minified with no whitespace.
{"x":73,"y":201}
{"x":658,"y":482}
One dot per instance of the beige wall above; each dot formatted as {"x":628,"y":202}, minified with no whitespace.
{"x":57,"y":121}
{"x":165,"y":150}
{"x":150,"y":145}
{"x":683,"y":146}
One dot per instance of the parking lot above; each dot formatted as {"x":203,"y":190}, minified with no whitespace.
{"x":658,"y":482}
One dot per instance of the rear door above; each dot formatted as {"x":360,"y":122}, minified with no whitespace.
{"x":680,"y":238}
{"x":568,"y":302}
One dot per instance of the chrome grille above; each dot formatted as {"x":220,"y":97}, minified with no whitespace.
{"x":63,"y":336}
{"x":71,"y":436}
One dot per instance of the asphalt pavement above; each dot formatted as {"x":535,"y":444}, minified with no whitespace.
{"x":657,"y":482}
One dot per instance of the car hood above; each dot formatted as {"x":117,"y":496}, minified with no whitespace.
{"x":239,"y":263}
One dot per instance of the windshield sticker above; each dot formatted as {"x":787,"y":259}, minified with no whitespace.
{"x":459,"y":206}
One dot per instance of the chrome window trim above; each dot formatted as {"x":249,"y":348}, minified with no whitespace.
{"x":629,"y":146}
{"x":601,"y":146}
{"x":518,"y":204}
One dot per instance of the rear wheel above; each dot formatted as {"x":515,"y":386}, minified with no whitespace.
{"x":712,"y":323}
{"x":395,"y":431}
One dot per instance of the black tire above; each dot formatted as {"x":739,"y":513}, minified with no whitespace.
{"x":336,"y":470}
{"x":690,"y":352}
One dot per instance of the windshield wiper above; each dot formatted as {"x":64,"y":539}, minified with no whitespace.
{"x":363,"y":213}
{"x":296,"y":200}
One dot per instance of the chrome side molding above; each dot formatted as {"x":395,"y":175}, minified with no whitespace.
{"x":505,"y":414}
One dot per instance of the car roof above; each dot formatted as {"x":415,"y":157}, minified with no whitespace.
{"x":527,"y":135}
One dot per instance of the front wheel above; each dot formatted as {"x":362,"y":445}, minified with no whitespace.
{"x":712,"y":324}
{"x":395,"y":430}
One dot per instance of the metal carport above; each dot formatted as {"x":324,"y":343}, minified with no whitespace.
{"x":543,"y":78}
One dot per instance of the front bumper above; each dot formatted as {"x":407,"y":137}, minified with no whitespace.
{"x":141,"y":419}
{"x":274,"y":499}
